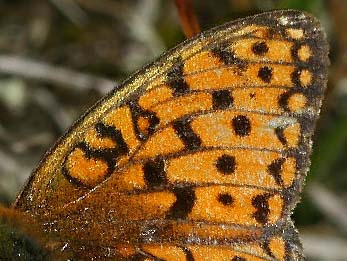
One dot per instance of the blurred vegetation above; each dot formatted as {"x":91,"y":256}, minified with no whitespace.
{"x":109,"y":40}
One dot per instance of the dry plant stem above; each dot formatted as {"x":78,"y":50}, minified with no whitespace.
{"x":140,"y":21}
{"x":329,"y":204}
{"x":71,"y":10}
{"x":141,"y":25}
{"x":106,"y":7}
{"x":8,"y":164}
{"x":52,"y":106}
{"x":31,"y":69}
{"x":322,"y":247}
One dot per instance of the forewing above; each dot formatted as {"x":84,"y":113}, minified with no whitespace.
{"x":201,"y":154}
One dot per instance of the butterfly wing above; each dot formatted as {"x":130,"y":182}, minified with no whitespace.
{"x":199,"y":156}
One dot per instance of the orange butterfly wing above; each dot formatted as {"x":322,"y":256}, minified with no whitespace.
{"x":199,"y":156}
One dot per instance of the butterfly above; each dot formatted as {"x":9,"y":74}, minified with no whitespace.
{"x":201,"y":155}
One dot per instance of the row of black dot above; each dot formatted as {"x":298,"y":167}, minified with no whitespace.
{"x":264,"y":73}
{"x":240,"y":124}
{"x":154,"y":170}
{"x":259,"y":202}
{"x":155,"y":175}
{"x":223,"y":99}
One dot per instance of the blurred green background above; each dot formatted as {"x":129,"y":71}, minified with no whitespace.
{"x":58,"y":57}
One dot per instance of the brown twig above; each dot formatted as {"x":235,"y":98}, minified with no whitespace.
{"x":189,"y":21}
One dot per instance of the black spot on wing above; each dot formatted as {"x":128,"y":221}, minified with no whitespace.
{"x":260,"y":202}
{"x":275,"y":169}
{"x":185,"y":132}
{"x":252,"y":95}
{"x":154,"y":173}
{"x":280,"y":135}
{"x":226,"y":164}
{"x":260,"y":48}
{"x":229,"y":58}
{"x":114,"y":134}
{"x":241,"y":125}
{"x":138,"y":114}
{"x":188,"y":254}
{"x":222,"y":99}
{"x":185,"y":199}
{"x":265,"y":74}
{"x":175,"y":78}
{"x":226,"y":199}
